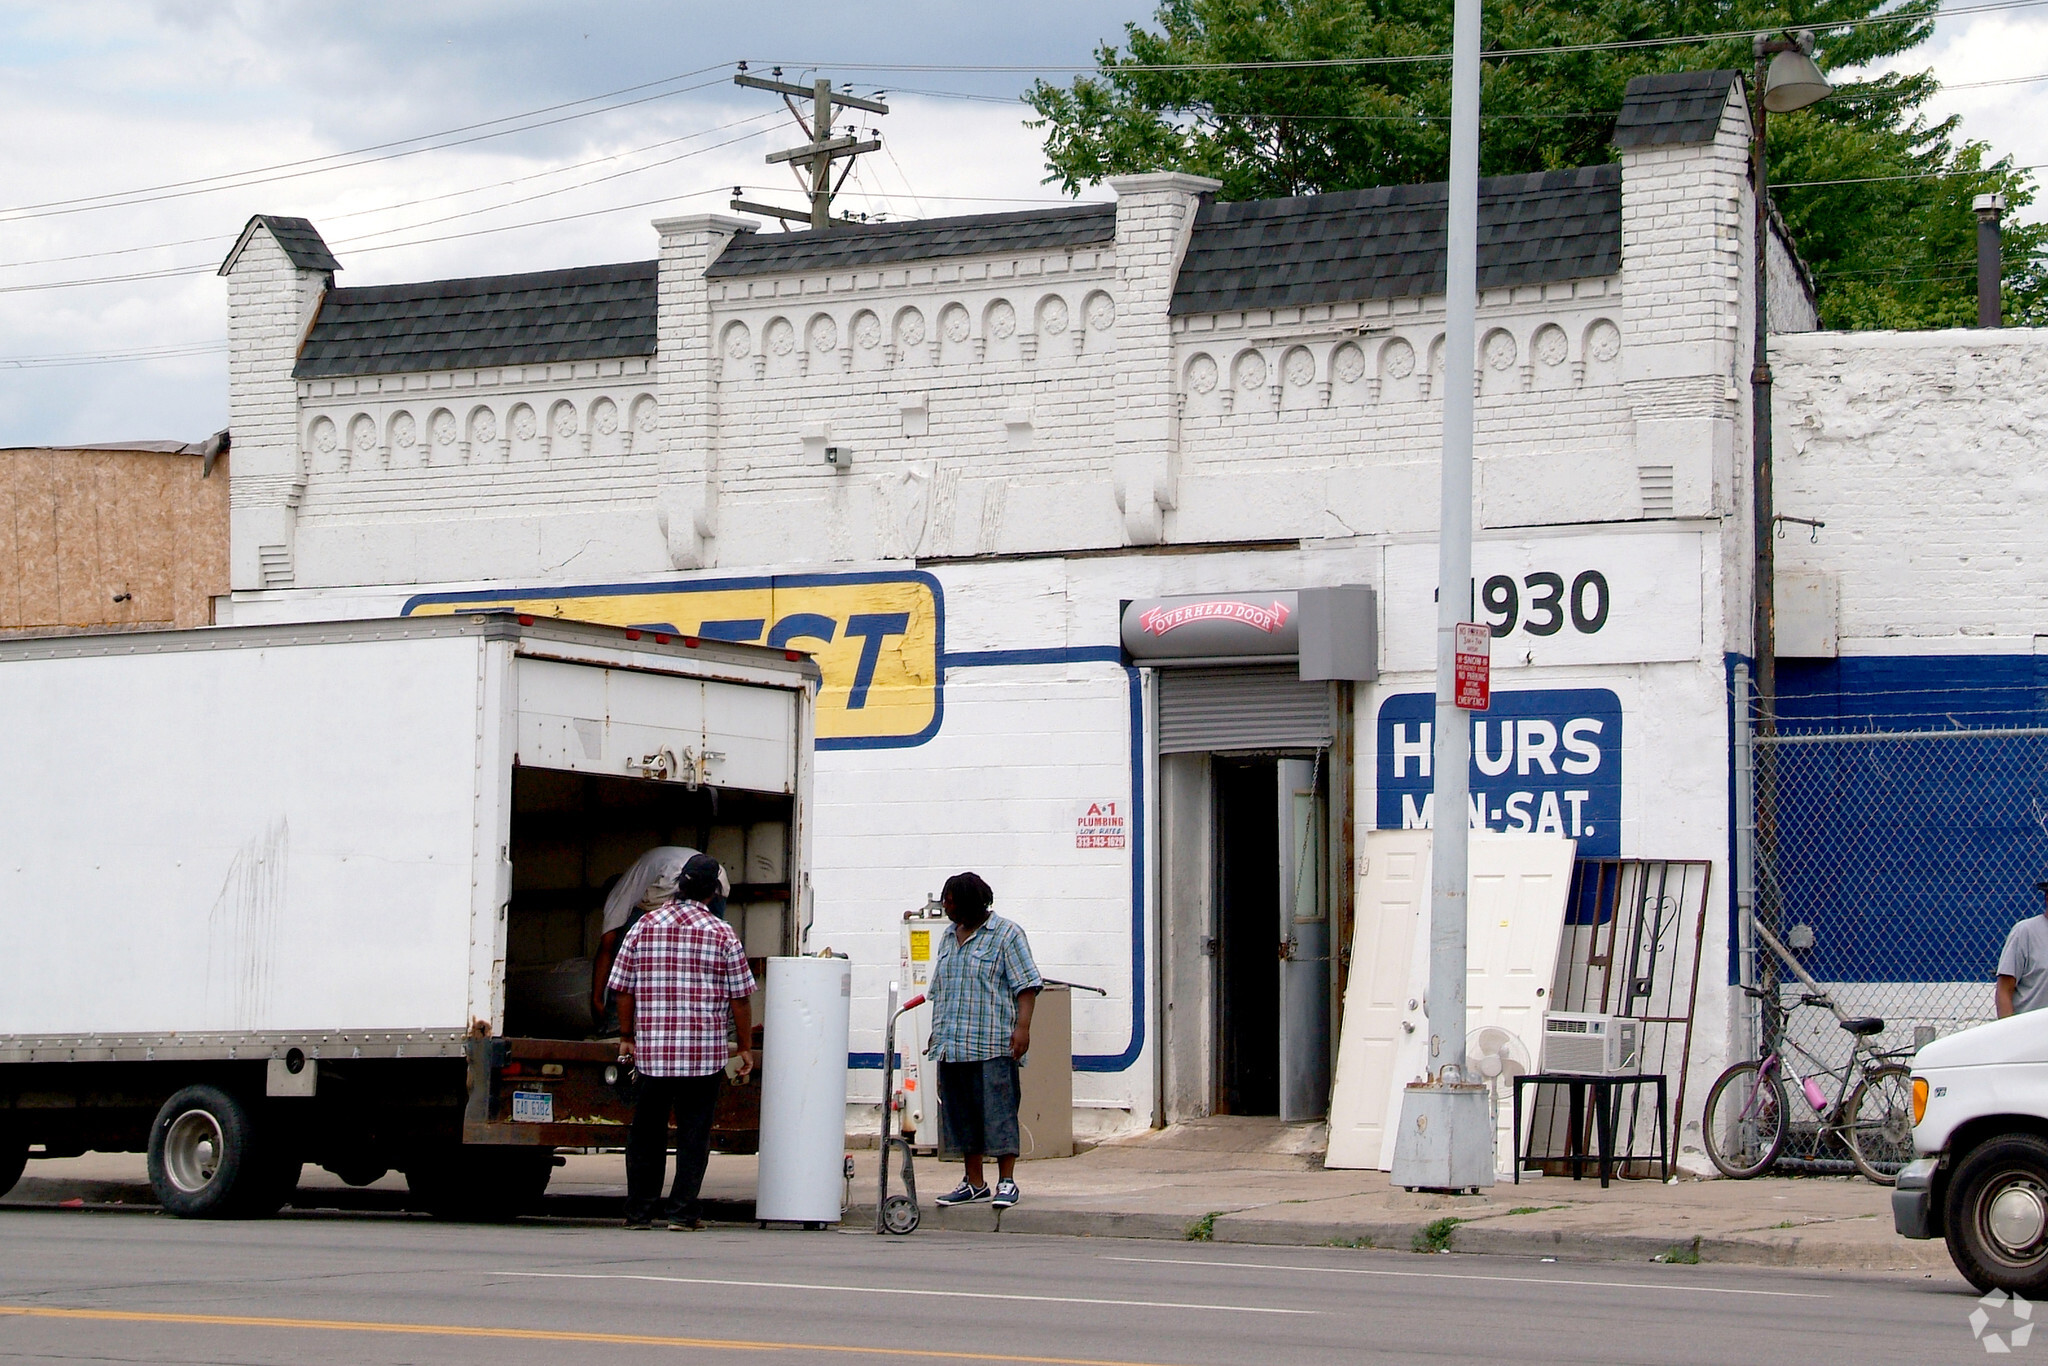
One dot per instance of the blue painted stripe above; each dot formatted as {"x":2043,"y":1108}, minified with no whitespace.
{"x":1127,"y":1058}
{"x":1071,"y":654}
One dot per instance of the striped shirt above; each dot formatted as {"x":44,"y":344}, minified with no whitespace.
{"x":974,"y":991}
{"x":685,"y":967}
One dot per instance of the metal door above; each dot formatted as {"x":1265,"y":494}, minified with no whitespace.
{"x":1304,"y":941}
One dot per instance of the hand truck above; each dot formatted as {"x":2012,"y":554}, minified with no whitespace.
{"x":895,"y":1213}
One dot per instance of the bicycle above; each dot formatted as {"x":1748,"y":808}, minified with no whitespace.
{"x":1749,"y":1111}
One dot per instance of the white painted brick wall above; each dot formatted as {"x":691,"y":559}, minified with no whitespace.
{"x":270,"y":305}
{"x":1923,"y":453}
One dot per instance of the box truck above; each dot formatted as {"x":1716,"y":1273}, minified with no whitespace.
{"x":329,"y":893}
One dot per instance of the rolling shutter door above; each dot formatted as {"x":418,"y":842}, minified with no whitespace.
{"x":1203,"y":710}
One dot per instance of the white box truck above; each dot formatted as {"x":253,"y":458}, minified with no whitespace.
{"x":1980,"y":1126}
{"x":329,"y":893}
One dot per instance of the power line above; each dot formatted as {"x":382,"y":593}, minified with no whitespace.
{"x":1618,"y":45}
{"x":245,"y":179}
{"x":356,"y":244}
{"x":1914,"y":175}
{"x":224,"y":238}
{"x":62,"y":359}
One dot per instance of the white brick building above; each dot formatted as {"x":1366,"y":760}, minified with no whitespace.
{"x":1036,"y":418}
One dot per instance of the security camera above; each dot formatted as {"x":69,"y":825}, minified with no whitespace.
{"x":839,"y":457}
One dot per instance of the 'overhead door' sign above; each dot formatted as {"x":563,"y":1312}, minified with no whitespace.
{"x":1543,"y":762}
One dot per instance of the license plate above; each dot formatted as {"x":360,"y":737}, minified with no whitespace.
{"x":533,"y":1107}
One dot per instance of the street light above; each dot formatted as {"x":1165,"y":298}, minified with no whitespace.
{"x":1792,"y":82}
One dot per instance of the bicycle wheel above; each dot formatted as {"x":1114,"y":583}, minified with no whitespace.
{"x":1744,"y":1124}
{"x":1877,"y":1123}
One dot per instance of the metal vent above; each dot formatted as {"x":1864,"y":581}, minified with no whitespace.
{"x":1659,"y":499}
{"x":275,"y":564}
{"x":1249,"y":707}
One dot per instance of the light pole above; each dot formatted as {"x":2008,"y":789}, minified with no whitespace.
{"x":1792,"y":81}
{"x":1445,"y":1140}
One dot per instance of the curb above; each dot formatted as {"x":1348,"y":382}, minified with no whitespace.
{"x":1486,"y":1237}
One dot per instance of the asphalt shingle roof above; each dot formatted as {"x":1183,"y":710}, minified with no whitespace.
{"x":866,"y":244}
{"x":1390,"y":242}
{"x":1673,"y":109}
{"x":301,"y":241}
{"x":588,"y":313}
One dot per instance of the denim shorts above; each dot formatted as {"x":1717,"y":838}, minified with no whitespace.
{"x":978,"y":1101}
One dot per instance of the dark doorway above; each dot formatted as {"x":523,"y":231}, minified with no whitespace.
{"x":1247,"y":941}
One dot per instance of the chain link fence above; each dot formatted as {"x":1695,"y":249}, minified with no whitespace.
{"x":1892,"y":864}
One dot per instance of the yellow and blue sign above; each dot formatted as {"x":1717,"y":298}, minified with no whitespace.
{"x":878,"y":638}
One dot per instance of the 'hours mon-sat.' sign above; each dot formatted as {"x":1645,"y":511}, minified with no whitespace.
{"x":1543,"y":762}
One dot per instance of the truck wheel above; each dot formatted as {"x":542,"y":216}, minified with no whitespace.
{"x":13,"y":1158}
{"x":482,"y":1185}
{"x":1996,"y":1219}
{"x":205,"y":1161}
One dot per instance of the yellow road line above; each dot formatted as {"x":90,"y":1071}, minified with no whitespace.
{"x":459,"y":1330}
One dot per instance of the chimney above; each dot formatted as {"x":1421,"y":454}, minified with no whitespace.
{"x":1990,"y":261}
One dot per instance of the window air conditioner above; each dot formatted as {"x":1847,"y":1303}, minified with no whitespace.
{"x":1591,"y":1045}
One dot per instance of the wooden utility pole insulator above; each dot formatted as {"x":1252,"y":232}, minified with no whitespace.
{"x":813,"y":160}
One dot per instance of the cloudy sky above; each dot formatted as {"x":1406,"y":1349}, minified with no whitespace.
{"x":140,"y":137}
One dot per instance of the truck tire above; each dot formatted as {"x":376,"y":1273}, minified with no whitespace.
{"x":207,"y":1159}
{"x":480,"y":1184}
{"x":1996,"y":1216}
{"x":13,"y":1159}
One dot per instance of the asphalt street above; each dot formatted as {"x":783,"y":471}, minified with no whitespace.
{"x":133,"y":1287}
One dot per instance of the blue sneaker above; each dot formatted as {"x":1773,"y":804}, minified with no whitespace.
{"x":1006,"y":1195}
{"x":964,"y":1194}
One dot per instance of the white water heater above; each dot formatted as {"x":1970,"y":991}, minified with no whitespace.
{"x":803,"y":1090}
{"x":917,"y":1077}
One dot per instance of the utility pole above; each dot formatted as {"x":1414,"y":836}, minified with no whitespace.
{"x":1446,"y":1138}
{"x":812,"y":162}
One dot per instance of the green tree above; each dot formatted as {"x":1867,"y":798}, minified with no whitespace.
{"x":1342,"y":104}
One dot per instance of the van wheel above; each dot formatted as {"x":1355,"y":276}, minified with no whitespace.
{"x":206,"y":1160}
{"x":1996,"y":1217}
{"x":13,"y":1159}
{"x":480,"y":1184}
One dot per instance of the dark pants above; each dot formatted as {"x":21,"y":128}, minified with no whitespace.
{"x":692,"y":1100}
{"x":978,"y":1101}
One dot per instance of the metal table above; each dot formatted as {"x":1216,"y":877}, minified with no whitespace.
{"x":1606,"y":1101}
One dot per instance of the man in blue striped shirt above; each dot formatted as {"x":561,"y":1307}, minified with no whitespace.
{"x":984,"y":986}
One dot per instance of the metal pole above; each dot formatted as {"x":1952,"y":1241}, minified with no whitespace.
{"x":1990,"y":260}
{"x":1745,"y":861}
{"x":1763,"y":507}
{"x":1453,"y":740}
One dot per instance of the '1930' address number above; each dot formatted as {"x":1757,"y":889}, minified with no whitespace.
{"x":1548,"y":604}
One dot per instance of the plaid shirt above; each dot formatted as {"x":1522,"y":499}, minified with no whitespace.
{"x":684,"y":967}
{"x":974,"y":991}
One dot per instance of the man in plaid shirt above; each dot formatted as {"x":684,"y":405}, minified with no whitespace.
{"x":984,"y":987}
{"x":682,"y":981}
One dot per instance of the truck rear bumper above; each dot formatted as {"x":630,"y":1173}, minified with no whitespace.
{"x":1913,"y":1213}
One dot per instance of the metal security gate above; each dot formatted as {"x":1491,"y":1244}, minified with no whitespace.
{"x":1216,"y":710}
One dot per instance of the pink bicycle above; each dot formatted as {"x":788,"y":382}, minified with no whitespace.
{"x":1749,"y":1110}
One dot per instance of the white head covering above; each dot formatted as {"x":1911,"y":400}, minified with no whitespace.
{"x":649,"y":883}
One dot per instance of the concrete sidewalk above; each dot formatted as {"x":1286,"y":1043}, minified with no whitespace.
{"x":1239,"y":1182}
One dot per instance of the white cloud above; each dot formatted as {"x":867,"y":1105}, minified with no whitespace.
{"x":123,"y":93}
{"x":1990,"y":47}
